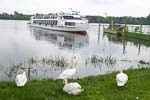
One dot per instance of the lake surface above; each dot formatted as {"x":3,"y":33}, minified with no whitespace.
{"x":19,"y":43}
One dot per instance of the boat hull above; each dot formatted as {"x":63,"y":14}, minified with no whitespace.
{"x":81,"y":28}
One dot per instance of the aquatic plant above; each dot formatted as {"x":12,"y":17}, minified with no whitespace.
{"x":19,"y":67}
{"x":54,"y":61}
{"x":31,"y":64}
{"x":143,"y":62}
{"x":33,"y":60}
{"x":98,"y":60}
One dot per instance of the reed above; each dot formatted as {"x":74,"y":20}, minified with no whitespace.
{"x":33,"y":62}
{"x":142,"y":62}
{"x":98,"y":60}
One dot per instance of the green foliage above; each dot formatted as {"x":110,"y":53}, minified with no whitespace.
{"x":101,"y":87}
{"x":15,"y":16}
{"x":120,"y":20}
{"x":92,"y":19}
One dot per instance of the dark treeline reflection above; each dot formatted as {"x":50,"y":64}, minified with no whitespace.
{"x":124,"y":40}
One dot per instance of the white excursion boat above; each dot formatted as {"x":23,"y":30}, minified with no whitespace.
{"x":68,"y":22}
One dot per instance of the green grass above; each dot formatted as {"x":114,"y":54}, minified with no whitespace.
{"x":101,"y":87}
{"x":137,"y":35}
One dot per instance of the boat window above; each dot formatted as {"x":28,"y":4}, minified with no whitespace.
{"x":72,"y":17}
{"x":68,"y":17}
{"x":69,"y":23}
{"x":34,"y":17}
{"x":78,"y":18}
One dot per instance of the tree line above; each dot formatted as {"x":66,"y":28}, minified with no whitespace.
{"x":15,"y":16}
{"x":92,"y":19}
{"x":120,"y":20}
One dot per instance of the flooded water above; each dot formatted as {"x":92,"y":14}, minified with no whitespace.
{"x":27,"y":48}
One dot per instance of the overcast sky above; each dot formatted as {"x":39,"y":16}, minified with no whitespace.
{"x":134,"y":8}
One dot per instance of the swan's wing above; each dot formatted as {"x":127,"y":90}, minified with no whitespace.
{"x":72,"y":86}
{"x":18,"y":78}
{"x":76,"y":91}
{"x":67,"y":73}
{"x":21,"y":79}
{"x":121,"y":77}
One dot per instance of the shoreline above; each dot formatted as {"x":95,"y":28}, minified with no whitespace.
{"x":102,"y":87}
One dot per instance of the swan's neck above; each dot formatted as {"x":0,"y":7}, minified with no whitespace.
{"x":66,"y":82}
{"x":121,"y":71}
{"x":24,"y":73}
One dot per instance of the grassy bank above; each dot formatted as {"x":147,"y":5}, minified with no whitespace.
{"x":137,"y":35}
{"x":101,"y":87}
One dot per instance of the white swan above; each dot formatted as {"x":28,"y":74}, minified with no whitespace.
{"x":21,"y":79}
{"x":67,"y":73}
{"x":72,"y":88}
{"x":121,"y":78}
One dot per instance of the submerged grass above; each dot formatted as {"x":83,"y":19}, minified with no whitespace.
{"x":101,"y":87}
{"x":31,"y":64}
{"x":143,"y":62}
{"x":99,"y":60}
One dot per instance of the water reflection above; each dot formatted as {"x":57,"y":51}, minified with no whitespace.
{"x":61,"y":39}
{"x":124,"y":40}
{"x":40,"y":51}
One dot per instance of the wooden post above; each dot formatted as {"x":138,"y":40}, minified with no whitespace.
{"x":139,"y":49}
{"x":141,"y":25}
{"x":99,"y":32}
{"x":112,"y":25}
{"x":141,"y":28}
{"x":29,"y":73}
